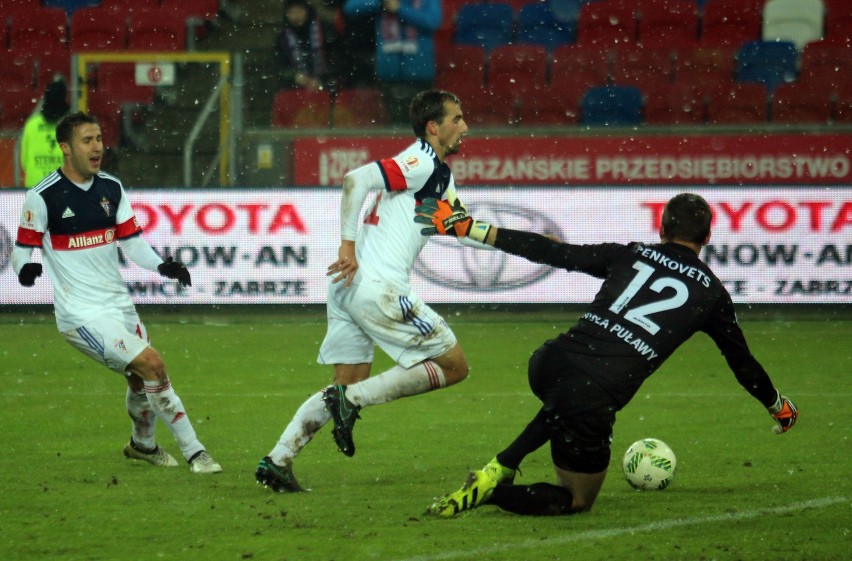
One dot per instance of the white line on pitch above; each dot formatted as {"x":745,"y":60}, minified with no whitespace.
{"x":653,"y":527}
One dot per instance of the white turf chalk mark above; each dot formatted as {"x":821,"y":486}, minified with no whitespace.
{"x":653,"y":527}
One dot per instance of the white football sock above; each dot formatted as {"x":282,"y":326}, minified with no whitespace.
{"x":309,"y":418}
{"x":395,"y":383}
{"x":144,"y":420}
{"x":169,"y":408}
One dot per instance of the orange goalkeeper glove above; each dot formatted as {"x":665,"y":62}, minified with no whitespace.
{"x":785,"y":414}
{"x":449,"y":220}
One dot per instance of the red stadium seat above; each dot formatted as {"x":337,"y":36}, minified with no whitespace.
{"x":300,"y":108}
{"x":705,"y":66}
{"x":607,"y":23}
{"x":730,"y":23}
{"x":359,"y":107}
{"x":668,"y":23}
{"x":674,"y":104}
{"x":838,"y":22}
{"x":644,"y":67}
{"x":801,"y":103}
{"x":484,"y":107}
{"x":517,"y":69}
{"x":557,"y":104}
{"x":156,"y":30}
{"x":459,"y":63}
{"x":49,"y":64}
{"x":737,"y":103}
{"x":843,"y":107}
{"x":573,"y":61}
{"x":96,"y":29}
{"x":38,"y":30}
{"x":826,"y":63}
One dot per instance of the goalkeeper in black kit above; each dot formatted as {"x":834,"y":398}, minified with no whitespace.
{"x":653,"y":298}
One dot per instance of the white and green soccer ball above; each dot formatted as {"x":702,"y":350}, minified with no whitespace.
{"x":649,"y":464}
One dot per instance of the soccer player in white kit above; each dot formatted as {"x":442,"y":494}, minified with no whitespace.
{"x":370,"y":301}
{"x":76,"y":216}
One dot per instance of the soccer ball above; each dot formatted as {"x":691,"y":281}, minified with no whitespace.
{"x":649,"y":464}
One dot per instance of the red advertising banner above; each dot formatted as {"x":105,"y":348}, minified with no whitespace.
{"x":766,"y":159}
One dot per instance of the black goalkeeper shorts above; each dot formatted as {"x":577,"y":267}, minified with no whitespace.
{"x":580,"y":414}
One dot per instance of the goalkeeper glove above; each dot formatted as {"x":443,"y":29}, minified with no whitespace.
{"x":28,"y":274}
{"x":785,"y":414}
{"x":175,"y":270}
{"x":449,"y":220}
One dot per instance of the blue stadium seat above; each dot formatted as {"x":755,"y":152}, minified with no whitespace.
{"x":770,"y":63}
{"x":611,"y":106}
{"x":487,"y":24}
{"x":70,"y":6}
{"x":539,"y":25}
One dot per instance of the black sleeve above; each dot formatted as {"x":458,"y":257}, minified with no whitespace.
{"x":591,"y":259}
{"x":723,"y":328}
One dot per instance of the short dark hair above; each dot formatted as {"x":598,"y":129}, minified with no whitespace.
{"x":428,"y":106}
{"x":687,"y":217}
{"x":65,"y":127}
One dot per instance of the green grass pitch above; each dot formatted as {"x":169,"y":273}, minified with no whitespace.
{"x":741,"y":493}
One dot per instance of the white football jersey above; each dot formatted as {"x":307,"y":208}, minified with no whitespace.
{"x":389,"y":240}
{"x":77,"y":228}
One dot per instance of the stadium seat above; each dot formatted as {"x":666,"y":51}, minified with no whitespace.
{"x":359,"y":107}
{"x":611,"y":106}
{"x":49,"y":64}
{"x":70,"y":6}
{"x":155,"y":30}
{"x":668,"y":23}
{"x":96,"y":29}
{"x":196,"y":15}
{"x":557,"y":104}
{"x":801,"y":103}
{"x":730,"y":23}
{"x":15,"y":107}
{"x":797,"y":21}
{"x":737,"y":103}
{"x":838,"y":22}
{"x":300,"y":108}
{"x":538,"y":25}
{"x":17,"y":72}
{"x":38,"y":30}
{"x":444,"y":36}
{"x":586,"y":64}
{"x":705,"y":66}
{"x":642,"y":67}
{"x":607,"y":23}
{"x":843,"y":107}
{"x":770,"y":63}
{"x":487,"y":24}
{"x":674,"y":104}
{"x":826,"y":64}
{"x":459,"y":63}
{"x":486,"y":107}
{"x":517,"y":69}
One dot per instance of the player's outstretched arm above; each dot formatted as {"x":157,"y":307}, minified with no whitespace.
{"x":785,"y":414}
{"x":452,"y":220}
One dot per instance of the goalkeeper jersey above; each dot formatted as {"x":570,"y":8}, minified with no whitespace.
{"x":76,"y":229}
{"x":389,"y":240}
{"x":653,"y":298}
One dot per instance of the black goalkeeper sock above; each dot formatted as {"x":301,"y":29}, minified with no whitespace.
{"x":538,"y":499}
{"x":533,"y":437}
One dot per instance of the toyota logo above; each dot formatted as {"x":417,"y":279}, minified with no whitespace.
{"x":487,"y":270}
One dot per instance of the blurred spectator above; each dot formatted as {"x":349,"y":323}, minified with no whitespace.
{"x":305,"y":48}
{"x":40,"y":152}
{"x":405,"y":48}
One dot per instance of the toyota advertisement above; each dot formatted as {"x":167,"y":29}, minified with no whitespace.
{"x":769,"y":244}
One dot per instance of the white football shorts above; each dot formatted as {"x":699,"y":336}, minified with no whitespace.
{"x":112,"y":340}
{"x":370,"y":313}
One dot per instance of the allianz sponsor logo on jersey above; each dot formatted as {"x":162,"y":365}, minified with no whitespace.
{"x":90,"y":239}
{"x":467,"y":268}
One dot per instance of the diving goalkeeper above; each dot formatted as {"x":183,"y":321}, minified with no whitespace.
{"x":653,"y":298}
